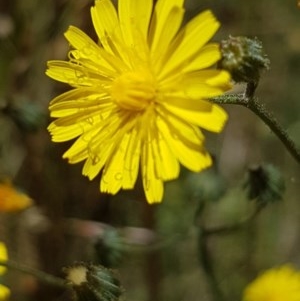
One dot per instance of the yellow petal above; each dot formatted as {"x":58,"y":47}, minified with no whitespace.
{"x":95,"y":162}
{"x":160,"y":19}
{"x":166,"y":164}
{"x":153,"y":186}
{"x":80,"y":100}
{"x":77,"y":94}
{"x":107,"y":26}
{"x":198,"y":91}
{"x":90,"y":54}
{"x":77,"y":152}
{"x":112,"y":176}
{"x":104,"y":143}
{"x":79,"y":40}
{"x":66,"y":133}
{"x":190,"y":155}
{"x":72,"y":74}
{"x":132,"y":158}
{"x":164,"y":36}
{"x":202,"y":84}
{"x":134,"y":15}
{"x":187,"y":103}
{"x":221,"y":79}
{"x":69,"y":127}
{"x":113,"y":173}
{"x":196,"y":33}
{"x":90,"y":115}
{"x":213,"y":120}
{"x":181,"y":129}
{"x":106,"y":23}
{"x":80,"y":148}
{"x":206,"y":57}
{"x":81,"y":106}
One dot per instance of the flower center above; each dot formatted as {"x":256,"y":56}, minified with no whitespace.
{"x":134,"y":90}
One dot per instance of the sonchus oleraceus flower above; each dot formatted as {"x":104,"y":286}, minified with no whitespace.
{"x":277,"y":284}
{"x":140,"y":95}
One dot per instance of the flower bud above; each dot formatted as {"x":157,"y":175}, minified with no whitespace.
{"x":92,"y":283}
{"x":244,"y":58}
{"x":265,"y":184}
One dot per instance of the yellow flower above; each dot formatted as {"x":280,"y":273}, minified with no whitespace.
{"x":140,"y":95}
{"x":278,"y":284}
{"x":12,"y":199}
{"x":4,"y":291}
{"x":3,"y":256}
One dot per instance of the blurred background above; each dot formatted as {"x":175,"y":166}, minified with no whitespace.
{"x":161,"y":251}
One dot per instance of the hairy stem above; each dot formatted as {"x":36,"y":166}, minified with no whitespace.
{"x":277,"y":129}
{"x":249,"y":101}
{"x":42,"y":276}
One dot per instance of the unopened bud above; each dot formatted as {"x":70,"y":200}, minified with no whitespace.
{"x":92,"y":283}
{"x":264,"y":184}
{"x":243,"y":58}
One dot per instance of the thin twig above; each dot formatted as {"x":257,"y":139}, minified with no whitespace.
{"x":42,"y":276}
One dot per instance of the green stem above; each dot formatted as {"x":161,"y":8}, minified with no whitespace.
{"x":227,"y":229}
{"x":277,"y":129}
{"x":205,"y":259}
{"x":204,"y":253}
{"x":205,"y":256}
{"x":42,"y":276}
{"x":247,"y":100}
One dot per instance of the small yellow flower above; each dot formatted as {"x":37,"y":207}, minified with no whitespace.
{"x":140,"y":95}
{"x":3,"y":257}
{"x":4,"y":291}
{"x":12,"y":199}
{"x":278,"y":284}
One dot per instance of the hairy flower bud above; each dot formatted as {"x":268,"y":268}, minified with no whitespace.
{"x":244,"y":58}
{"x":264,"y":184}
{"x":92,"y":283}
